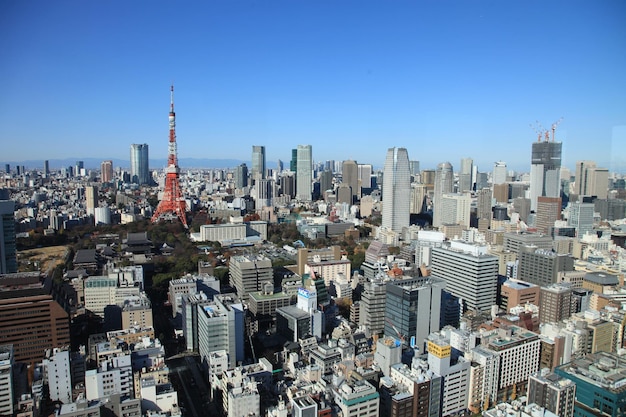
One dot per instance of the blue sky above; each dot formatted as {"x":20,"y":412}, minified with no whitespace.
{"x":445,"y":79}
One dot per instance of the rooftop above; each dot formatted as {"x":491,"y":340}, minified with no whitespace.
{"x":601,"y":278}
{"x":603,"y":369}
{"x":519,"y":285}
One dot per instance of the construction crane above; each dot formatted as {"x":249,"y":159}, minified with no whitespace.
{"x":538,"y":129}
{"x":400,"y":335}
{"x":554,"y":125}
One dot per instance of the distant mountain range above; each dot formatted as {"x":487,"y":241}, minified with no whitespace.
{"x":94,"y":163}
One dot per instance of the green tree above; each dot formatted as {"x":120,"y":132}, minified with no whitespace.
{"x":356,"y":260}
{"x":222,"y":273}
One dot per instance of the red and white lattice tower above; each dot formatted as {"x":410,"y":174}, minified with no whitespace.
{"x":172,"y":202}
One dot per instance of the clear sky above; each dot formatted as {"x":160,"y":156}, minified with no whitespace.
{"x":445,"y":79}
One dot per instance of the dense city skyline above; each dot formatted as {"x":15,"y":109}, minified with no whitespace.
{"x":446,"y":80}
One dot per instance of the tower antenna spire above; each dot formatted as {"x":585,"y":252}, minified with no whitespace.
{"x":172,"y":98}
{"x":172,"y":204}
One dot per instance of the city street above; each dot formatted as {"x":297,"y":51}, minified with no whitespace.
{"x":193,"y":391}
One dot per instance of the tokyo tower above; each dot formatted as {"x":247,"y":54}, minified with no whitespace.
{"x":172,"y":204}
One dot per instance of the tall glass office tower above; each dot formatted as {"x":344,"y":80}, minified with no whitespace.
{"x":304,"y":173}
{"x":258,"y":163}
{"x":444,"y":184}
{"x":8,"y":253}
{"x":139,"y":170}
{"x":396,"y":190}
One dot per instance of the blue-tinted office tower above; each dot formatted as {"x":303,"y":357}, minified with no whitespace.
{"x":139,"y":169}
{"x":413,"y":309}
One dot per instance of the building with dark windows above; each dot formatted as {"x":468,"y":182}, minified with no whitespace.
{"x":545,"y":171}
{"x":258,"y":163}
{"x":413,"y":309}
{"x":8,"y":254}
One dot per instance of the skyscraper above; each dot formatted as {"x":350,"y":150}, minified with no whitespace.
{"x":396,"y":190}
{"x":545,"y":171}
{"x":77,"y":170}
{"x":304,"y":172}
{"x":241,"y":176}
{"x":106,"y":171}
{"x":91,"y":199}
{"x":46,"y":168}
{"x":499,"y":173}
{"x":444,"y":184}
{"x":8,"y":254}
{"x":139,"y":169}
{"x":350,"y":177}
{"x":293,"y":163}
{"x":365,"y":177}
{"x":418,"y":198}
{"x":414,"y":167}
{"x":591,"y":180}
{"x":258,"y":163}
{"x":326,"y":181}
{"x":465,"y":175}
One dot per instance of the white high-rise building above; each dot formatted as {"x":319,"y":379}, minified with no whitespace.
{"x":471,"y":276}
{"x":499,"y":173}
{"x":454,"y":389}
{"x":456,"y":209}
{"x":113,"y":376}
{"x":304,"y":173}
{"x":396,"y":190}
{"x":220,"y":327}
{"x":6,"y":380}
{"x":58,"y":375}
{"x":444,"y":184}
{"x":102,"y":215}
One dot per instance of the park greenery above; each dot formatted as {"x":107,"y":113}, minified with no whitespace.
{"x":182,"y":255}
